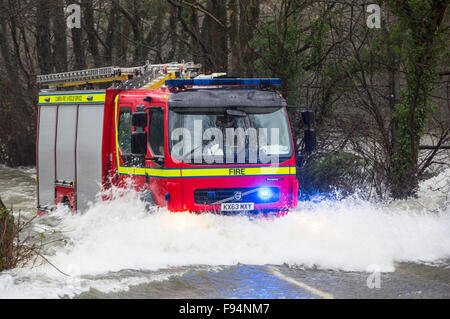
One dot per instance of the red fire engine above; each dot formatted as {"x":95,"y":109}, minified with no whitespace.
{"x":167,"y":130}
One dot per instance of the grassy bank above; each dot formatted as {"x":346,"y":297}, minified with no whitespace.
{"x":7,"y":230}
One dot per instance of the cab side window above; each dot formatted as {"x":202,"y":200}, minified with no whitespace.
{"x":124,"y":130}
{"x":156,"y":132}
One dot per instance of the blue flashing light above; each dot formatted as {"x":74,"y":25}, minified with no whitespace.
{"x":223,"y":81}
{"x":317,"y":196}
{"x":264,"y":193}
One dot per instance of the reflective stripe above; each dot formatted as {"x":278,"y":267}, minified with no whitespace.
{"x":152,"y":172}
{"x":205,"y":172}
{"x":72,"y":98}
{"x":235,"y":171}
{"x":116,"y":129}
{"x":196,"y":172}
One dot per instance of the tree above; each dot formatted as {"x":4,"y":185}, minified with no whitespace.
{"x":18,"y":119}
{"x":43,"y":36}
{"x":421,"y":24}
{"x":214,"y":33}
{"x":88,"y":26}
{"x":59,"y":35}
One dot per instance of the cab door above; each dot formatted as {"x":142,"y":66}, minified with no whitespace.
{"x":123,"y":144}
{"x":154,"y":161}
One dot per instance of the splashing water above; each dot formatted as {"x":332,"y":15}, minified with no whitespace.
{"x":119,"y":235}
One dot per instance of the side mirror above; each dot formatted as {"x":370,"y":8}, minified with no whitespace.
{"x":139,"y":119}
{"x":236,"y":113}
{"x":310,"y":140}
{"x":139,"y":143}
{"x":308,"y":117}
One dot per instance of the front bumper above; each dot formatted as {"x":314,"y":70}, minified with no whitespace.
{"x":192,"y":194}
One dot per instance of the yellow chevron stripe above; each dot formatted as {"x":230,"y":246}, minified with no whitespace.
{"x":153,"y":172}
{"x":233,"y":171}
{"x":205,"y":172}
{"x":197,"y":172}
{"x":72,"y":98}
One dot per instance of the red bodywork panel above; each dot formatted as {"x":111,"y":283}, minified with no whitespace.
{"x":63,"y":193}
{"x":179,"y":189}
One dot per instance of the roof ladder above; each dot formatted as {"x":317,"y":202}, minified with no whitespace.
{"x":149,"y":76}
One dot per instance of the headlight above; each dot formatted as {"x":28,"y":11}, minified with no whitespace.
{"x":264,"y":193}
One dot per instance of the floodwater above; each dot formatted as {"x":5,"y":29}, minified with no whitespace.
{"x":350,"y":248}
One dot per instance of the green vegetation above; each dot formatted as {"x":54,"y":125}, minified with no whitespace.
{"x":6,"y":238}
{"x":19,"y":245}
{"x":375,"y":92}
{"x":420,"y":23}
{"x":329,"y":171}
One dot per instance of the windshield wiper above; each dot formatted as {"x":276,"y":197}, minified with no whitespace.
{"x":193,"y":150}
{"x":236,"y":113}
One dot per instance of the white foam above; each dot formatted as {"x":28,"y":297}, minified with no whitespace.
{"x":349,"y":235}
{"x":35,"y":283}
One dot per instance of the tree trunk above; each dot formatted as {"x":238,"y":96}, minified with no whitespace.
{"x":155,"y":35}
{"x":249,"y":14}
{"x":422,"y":54}
{"x":78,"y":50}
{"x":135,"y":22}
{"x":43,"y":36}
{"x":138,"y":38}
{"x":59,"y":35}
{"x":109,"y":40}
{"x":88,"y":15}
{"x":195,"y":40}
{"x":123,"y":42}
{"x":215,"y":34}
{"x":18,"y":118}
{"x":173,"y":29}
{"x":233,"y":34}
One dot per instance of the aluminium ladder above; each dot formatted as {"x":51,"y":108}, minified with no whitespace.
{"x":148,"y":76}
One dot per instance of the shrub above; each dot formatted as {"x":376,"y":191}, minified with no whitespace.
{"x":6,"y":238}
{"x":17,"y":246}
{"x":330,"y":171}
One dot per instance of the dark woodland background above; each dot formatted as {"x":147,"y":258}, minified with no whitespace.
{"x":380,"y":96}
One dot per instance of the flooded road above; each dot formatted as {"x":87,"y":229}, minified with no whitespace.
{"x":325,"y":249}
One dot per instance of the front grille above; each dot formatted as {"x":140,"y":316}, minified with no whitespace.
{"x":211,"y":195}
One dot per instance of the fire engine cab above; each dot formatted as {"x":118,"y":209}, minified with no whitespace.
{"x":188,"y":142}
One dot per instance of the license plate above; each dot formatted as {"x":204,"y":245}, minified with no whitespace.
{"x":227,"y":207}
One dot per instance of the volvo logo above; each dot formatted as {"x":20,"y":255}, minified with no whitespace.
{"x":237,"y":195}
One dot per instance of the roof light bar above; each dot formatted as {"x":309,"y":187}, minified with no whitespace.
{"x":223,"y":81}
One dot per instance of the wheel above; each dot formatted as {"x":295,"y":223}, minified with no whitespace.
{"x":147,"y":197}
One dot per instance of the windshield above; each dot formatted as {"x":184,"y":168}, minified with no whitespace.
{"x":229,"y":136}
